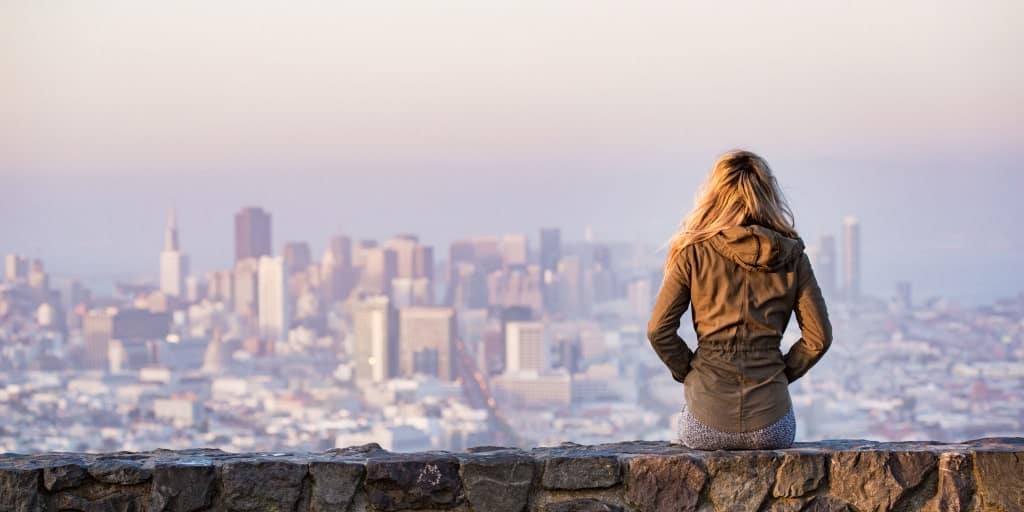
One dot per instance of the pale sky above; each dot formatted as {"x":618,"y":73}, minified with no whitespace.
{"x":457,"y":118}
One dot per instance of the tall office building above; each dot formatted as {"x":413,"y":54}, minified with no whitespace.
{"x":244,"y":287}
{"x":514,"y":249}
{"x":380,"y":266}
{"x":273,"y":299}
{"x":252,"y":233}
{"x":526,"y":347}
{"x":375,"y":335}
{"x":851,"y":258}
{"x":426,"y":341}
{"x":404,"y":247}
{"x":173,"y":262}
{"x":825,"y":265}
{"x":101,"y":327}
{"x":359,"y":251}
{"x":336,"y":272}
{"x":550,"y":253}
{"x":297,"y":257}
{"x":15,"y":267}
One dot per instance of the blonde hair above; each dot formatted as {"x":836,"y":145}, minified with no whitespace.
{"x":740,"y":189}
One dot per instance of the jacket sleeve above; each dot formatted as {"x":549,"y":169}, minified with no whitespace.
{"x":815,"y":328}
{"x":673,"y":299}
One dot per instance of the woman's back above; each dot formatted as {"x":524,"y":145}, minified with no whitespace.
{"x":744,"y":280}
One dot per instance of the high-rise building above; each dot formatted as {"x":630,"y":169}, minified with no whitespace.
{"x":514,"y":249}
{"x":129,"y":326}
{"x":851,"y":258}
{"x":423,"y":262}
{"x":380,"y":266}
{"x":244,"y":288}
{"x":252,"y":233}
{"x":337,"y":275}
{"x":550,"y":253}
{"x":375,"y":335}
{"x":526,"y":347}
{"x":173,"y":262}
{"x":297,"y":257}
{"x":15,"y":267}
{"x":273,"y":299}
{"x":359,"y":251}
{"x":550,"y":249}
{"x":426,"y":341}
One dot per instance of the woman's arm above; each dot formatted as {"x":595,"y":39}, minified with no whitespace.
{"x":673,"y":299}
{"x":815,"y":328}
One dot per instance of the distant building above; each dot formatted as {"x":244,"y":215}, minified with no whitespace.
{"x":427,"y":342}
{"x":100,"y":326}
{"x":173,"y":262}
{"x":514,"y":249}
{"x":244,"y":287}
{"x":297,"y":257}
{"x":526,"y":347}
{"x":15,"y":267}
{"x":375,"y":339}
{"x":252,"y":233}
{"x":851,"y":258}
{"x":274,"y":319}
{"x":550,"y":253}
{"x":380,"y":266}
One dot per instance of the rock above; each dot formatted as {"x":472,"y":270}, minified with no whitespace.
{"x":657,"y":482}
{"x":113,"y":503}
{"x":827,"y":504}
{"x":182,"y":486}
{"x":63,"y":476}
{"x":120,"y":471}
{"x":498,"y":480}
{"x":786,"y":505}
{"x":334,"y":484}
{"x":413,"y":481}
{"x":261,"y":484}
{"x":955,"y":485}
{"x":740,"y":481}
{"x":799,"y":474}
{"x":874,"y":481}
{"x":580,"y":469}
{"x":19,"y":489}
{"x":1000,"y":481}
{"x":365,"y":450}
{"x":580,"y":505}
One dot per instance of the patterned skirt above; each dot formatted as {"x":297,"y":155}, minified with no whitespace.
{"x":696,"y":435}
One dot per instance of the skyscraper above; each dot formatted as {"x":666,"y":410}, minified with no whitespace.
{"x":252,"y":233}
{"x":273,"y":299}
{"x":173,"y":262}
{"x":375,"y":335}
{"x":851,"y":258}
{"x":514,"y":249}
{"x":550,"y":253}
{"x":297,"y":257}
{"x":426,"y":341}
{"x":526,"y":347}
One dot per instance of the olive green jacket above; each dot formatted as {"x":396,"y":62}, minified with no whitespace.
{"x":744,"y":284}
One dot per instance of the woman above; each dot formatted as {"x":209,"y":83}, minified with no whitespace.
{"x":737,"y":257}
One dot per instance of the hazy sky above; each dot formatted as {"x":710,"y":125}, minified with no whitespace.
{"x":460,"y":118}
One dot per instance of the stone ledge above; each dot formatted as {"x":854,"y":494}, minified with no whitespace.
{"x":853,"y":475}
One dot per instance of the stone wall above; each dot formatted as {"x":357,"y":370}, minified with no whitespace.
{"x":981,"y":475}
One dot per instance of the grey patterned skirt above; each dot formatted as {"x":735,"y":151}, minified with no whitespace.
{"x":696,"y":435}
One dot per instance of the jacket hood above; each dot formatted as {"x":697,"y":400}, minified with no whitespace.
{"x":757,"y":247}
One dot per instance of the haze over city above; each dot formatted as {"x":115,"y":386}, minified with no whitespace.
{"x":258,"y":225}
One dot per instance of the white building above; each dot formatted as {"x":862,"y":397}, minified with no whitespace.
{"x":173,"y":262}
{"x":273,"y":298}
{"x":526,"y":347}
